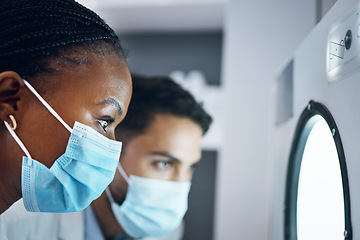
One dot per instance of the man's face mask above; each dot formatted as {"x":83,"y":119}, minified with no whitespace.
{"x":77,"y":177}
{"x":152,"y":207}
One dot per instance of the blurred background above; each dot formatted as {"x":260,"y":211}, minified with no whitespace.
{"x":228,"y":53}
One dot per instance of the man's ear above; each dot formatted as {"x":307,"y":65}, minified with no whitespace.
{"x":10,"y":84}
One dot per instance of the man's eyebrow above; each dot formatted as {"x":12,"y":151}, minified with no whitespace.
{"x":172,"y":158}
{"x":112,"y":101}
{"x":165,"y":154}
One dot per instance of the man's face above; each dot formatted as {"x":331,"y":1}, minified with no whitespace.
{"x":168,"y":150}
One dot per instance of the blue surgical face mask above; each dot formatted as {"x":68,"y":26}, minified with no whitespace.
{"x":152,"y":207}
{"x":76,"y":178}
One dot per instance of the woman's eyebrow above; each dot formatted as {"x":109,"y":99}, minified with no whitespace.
{"x":112,"y":101}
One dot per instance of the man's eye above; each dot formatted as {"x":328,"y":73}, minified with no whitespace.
{"x":163,"y":164}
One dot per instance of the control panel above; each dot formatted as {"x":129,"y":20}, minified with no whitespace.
{"x":343,"y":52}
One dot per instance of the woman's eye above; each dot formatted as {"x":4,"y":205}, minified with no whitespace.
{"x":104,"y":124}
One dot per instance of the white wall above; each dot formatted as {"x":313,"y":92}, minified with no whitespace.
{"x":324,"y":6}
{"x":259,"y":38}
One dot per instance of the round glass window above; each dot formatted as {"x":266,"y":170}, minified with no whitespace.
{"x":317,"y":194}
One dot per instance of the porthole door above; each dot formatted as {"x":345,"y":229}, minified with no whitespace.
{"x":317,"y":203}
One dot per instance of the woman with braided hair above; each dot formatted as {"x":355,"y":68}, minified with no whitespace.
{"x":64,"y":87}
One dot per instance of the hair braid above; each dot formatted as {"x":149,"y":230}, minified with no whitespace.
{"x":31,"y":30}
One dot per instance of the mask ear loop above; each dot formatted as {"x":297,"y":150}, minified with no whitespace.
{"x":122,"y":172}
{"x":51,"y":110}
{"x":17,"y":139}
{"x":108,"y":193}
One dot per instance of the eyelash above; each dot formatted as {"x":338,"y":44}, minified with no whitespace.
{"x":106,"y":122}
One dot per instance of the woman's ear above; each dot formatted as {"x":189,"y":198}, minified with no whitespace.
{"x":10,"y":84}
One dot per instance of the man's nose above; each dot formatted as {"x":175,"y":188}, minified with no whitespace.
{"x":181,"y":175}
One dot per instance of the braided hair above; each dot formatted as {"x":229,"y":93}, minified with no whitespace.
{"x":34,"y":31}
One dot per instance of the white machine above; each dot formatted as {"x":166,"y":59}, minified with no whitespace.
{"x":318,"y":132}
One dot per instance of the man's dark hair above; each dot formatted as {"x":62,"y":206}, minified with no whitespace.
{"x":32,"y":32}
{"x":159,"y":95}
